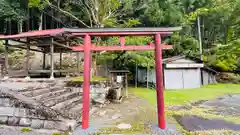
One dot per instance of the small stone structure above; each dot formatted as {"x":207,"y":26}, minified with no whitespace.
{"x":119,"y":85}
{"x":45,"y":104}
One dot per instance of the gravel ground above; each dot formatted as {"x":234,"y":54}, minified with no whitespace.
{"x":194,"y":123}
{"x":226,"y":105}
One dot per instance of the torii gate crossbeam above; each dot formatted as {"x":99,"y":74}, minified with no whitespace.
{"x":88,"y":47}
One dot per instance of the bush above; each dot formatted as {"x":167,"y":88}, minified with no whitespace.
{"x":228,"y":78}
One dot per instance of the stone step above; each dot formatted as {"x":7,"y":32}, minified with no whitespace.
{"x":50,"y":95}
{"x":41,"y":91}
{"x":62,"y":105}
{"x":29,"y":102}
{"x":61,"y":98}
{"x":36,"y":87}
{"x":76,"y":112}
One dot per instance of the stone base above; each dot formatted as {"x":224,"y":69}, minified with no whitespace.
{"x":52,"y":78}
{"x":5,"y":77}
{"x":88,"y":131}
{"x":170,"y":130}
{"x":27,"y":78}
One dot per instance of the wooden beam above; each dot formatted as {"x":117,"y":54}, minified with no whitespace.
{"x":55,"y":71}
{"x":22,"y":47}
{"x":18,"y":40}
{"x":62,"y":45}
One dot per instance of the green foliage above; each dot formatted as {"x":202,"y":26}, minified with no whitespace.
{"x":37,"y":3}
{"x":130,"y":58}
{"x":184,"y":45}
{"x":225,"y":57}
{"x":219,"y":25}
{"x":11,"y":9}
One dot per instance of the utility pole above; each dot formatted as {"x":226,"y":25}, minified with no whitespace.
{"x":199,"y":36}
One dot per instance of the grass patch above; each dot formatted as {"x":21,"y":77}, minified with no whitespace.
{"x":24,"y":130}
{"x":187,"y":96}
{"x":184,"y":96}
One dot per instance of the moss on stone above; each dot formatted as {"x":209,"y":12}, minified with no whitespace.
{"x":24,"y":130}
{"x":73,"y":81}
{"x":93,"y":79}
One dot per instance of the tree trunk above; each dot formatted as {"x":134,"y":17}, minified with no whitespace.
{"x":20,"y":26}
{"x":41,"y":22}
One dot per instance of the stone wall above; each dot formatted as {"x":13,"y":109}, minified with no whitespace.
{"x":14,"y":115}
{"x":98,"y":91}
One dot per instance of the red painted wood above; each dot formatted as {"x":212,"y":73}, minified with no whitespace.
{"x":41,"y":33}
{"x":120,"y":48}
{"x":159,"y":82}
{"x":122,"y":41}
{"x":121,"y":33}
{"x":86,"y":82}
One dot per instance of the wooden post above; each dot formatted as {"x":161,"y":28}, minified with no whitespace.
{"x":159,"y":82}
{"x":52,"y":59}
{"x":78,"y":60}
{"x":27,"y":60}
{"x":126,"y":86}
{"x":44,"y":60}
{"x":60,"y":62}
{"x":6,"y":60}
{"x":86,"y":82}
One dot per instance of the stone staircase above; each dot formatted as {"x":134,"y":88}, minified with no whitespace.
{"x":47,"y":105}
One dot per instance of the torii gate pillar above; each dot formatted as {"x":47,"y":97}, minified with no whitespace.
{"x":159,"y":82}
{"x":86,"y":81}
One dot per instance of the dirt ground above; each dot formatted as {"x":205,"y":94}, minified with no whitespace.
{"x":135,"y":111}
{"x":222,"y":113}
{"x":214,"y":115}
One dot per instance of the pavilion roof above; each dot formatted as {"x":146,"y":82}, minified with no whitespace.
{"x":40,"y":33}
{"x":93,"y":31}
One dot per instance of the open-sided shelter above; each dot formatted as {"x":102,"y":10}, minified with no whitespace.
{"x":67,"y":39}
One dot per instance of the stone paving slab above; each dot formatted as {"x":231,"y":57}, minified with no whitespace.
{"x":195,"y":123}
{"x":228,"y":105}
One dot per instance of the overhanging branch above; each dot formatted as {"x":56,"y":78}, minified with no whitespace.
{"x":66,"y":13}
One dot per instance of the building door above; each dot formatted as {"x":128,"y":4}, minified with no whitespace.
{"x":173,"y":78}
{"x":192,"y":78}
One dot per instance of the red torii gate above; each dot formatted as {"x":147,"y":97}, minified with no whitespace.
{"x":87,"y":47}
{"x":65,"y":33}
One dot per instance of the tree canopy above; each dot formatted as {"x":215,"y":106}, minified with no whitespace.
{"x":220,"y":25}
